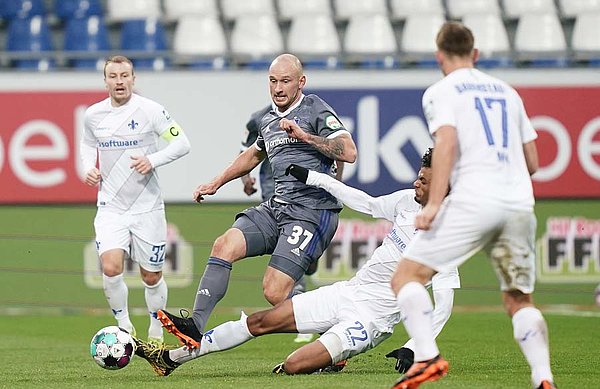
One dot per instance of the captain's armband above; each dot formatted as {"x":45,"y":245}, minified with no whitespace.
{"x":172,"y":132}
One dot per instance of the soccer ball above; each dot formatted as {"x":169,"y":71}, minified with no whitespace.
{"x":112,"y":348}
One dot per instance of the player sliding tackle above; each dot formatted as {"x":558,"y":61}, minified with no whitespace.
{"x":353,"y":316}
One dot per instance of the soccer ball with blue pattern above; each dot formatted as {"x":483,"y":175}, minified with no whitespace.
{"x":112,"y":348}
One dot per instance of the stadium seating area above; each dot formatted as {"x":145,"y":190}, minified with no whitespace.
{"x":45,"y":35}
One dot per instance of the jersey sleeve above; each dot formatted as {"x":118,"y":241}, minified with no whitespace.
{"x":87,"y":148}
{"x":387,"y":206}
{"x":437,"y":108}
{"x":327,"y":124}
{"x":250,"y":133}
{"x":378,"y":207}
{"x":168,"y":129}
{"x":88,"y":130}
{"x":260,"y":143}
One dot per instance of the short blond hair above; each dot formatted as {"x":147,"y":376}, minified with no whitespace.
{"x":117,"y":59}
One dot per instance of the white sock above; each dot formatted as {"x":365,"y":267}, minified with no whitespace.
{"x":416,"y":310}
{"x":531,"y":333}
{"x":116,"y":293}
{"x":223,"y":337}
{"x":156,"y":298}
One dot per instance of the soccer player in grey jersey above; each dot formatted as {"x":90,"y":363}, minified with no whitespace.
{"x":267,"y":189}
{"x":297,"y":224}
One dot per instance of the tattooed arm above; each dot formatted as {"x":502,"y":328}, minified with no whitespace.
{"x":340,"y":148}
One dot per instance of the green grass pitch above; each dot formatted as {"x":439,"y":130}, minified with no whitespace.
{"x":49,"y":315}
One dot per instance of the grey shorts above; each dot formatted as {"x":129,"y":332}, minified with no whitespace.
{"x":294,"y":235}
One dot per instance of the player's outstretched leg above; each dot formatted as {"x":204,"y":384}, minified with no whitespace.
{"x":335,"y":368}
{"x":431,"y":370}
{"x":182,"y":327}
{"x":157,"y":356}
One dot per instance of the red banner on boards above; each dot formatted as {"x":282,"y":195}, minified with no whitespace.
{"x":39,"y":140}
{"x":40,"y":131}
{"x":568,"y":123}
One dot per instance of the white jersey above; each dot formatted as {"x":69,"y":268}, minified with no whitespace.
{"x":119,"y":133}
{"x":400,"y":208}
{"x":492,"y":126}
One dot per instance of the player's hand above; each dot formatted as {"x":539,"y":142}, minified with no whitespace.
{"x":425,"y":216}
{"x":292,"y":129}
{"x":141,"y":164}
{"x":204,"y":189}
{"x":93,"y":177}
{"x":249,"y":182}
{"x":405,"y":357}
{"x":299,"y":172}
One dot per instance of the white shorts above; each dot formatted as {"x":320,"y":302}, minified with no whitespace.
{"x":334,"y":309}
{"x":446,"y":280}
{"x":143,"y":236}
{"x":462,"y":229}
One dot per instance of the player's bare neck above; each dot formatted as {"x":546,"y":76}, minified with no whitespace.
{"x":120,"y":102}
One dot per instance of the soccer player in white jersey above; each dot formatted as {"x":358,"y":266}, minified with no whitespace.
{"x":354,"y":316}
{"x":121,"y":133}
{"x":482,"y":135}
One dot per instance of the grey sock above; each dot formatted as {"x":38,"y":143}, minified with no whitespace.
{"x":211,"y":290}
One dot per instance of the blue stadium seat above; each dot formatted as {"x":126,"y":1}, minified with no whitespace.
{"x":30,"y":36}
{"x":70,"y":9}
{"x":86,"y":35}
{"x":21,"y":9}
{"x":143,"y":38}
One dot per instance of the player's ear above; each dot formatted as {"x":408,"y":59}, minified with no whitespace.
{"x":302,"y":82}
{"x":475,"y":55}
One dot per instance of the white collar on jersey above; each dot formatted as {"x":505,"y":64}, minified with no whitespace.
{"x":290,"y":109}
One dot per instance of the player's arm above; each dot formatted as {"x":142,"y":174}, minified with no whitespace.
{"x":250,"y":135}
{"x":178,"y":145}
{"x":444,"y":155}
{"x":531,"y":157}
{"x":352,"y":197}
{"x":339,"y":170}
{"x":338,"y":146}
{"x":242,"y":165}
{"x":89,"y":156}
{"x":248,"y":181}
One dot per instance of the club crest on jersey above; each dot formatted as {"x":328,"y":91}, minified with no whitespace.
{"x":332,"y":122}
{"x":132,"y":124}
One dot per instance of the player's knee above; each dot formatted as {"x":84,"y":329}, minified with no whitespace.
{"x":515,"y":300}
{"x":295,"y":364}
{"x":111,"y":269}
{"x":334,"y":346}
{"x":151,"y":278}
{"x":228,"y":247}
{"x":274,"y":295}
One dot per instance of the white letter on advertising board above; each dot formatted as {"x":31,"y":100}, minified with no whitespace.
{"x":20,"y":153}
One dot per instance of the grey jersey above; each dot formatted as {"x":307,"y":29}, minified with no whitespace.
{"x":316,"y":117}
{"x":252,"y":130}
